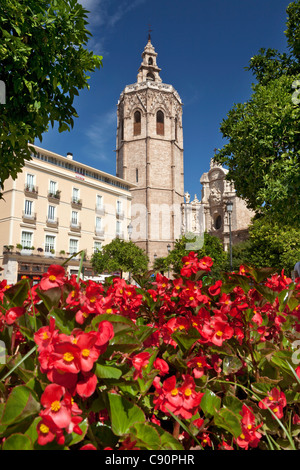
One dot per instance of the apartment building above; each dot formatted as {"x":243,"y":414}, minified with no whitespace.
{"x":56,"y":208}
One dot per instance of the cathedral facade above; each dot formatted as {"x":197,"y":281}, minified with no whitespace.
{"x":149,"y":154}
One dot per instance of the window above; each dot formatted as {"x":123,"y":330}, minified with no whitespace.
{"x":49,"y":243}
{"x":51,"y":213}
{"x":28,"y":208}
{"x":218,"y":222}
{"x":26,"y":239}
{"x":160,"y":118}
{"x":73,"y":246}
{"x":98,"y":224}
{"x":136,"y":175}
{"x":119,"y":207}
{"x":74,"y":218}
{"x":176,"y":125}
{"x":150,"y":61}
{"x":97,"y":246}
{"x":52,"y":187}
{"x":30,"y":182}
{"x":150,"y":76}
{"x":99,"y":202}
{"x":137,"y":123}
{"x":75,"y":195}
{"x":119,"y":227}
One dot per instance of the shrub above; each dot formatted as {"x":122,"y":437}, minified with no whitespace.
{"x":175,"y":364}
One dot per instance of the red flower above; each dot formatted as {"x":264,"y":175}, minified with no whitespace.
{"x":54,"y":277}
{"x":13,"y":314}
{"x":199,"y":366}
{"x":88,"y":351}
{"x":161,"y":365}
{"x":215,"y":289}
{"x":140,"y":361}
{"x":88,"y":447}
{"x":276,"y":401}
{"x":249,"y":436}
{"x":48,"y":431}
{"x":57,"y":404}
{"x":86,"y":384}
{"x":66,"y":357}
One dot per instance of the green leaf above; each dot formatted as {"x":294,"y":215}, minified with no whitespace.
{"x":186,"y":340}
{"x":210,"y":403}
{"x":146,"y":436}
{"x":17,"y":442}
{"x":227,"y":419}
{"x":64,"y":321}
{"x":124,"y":414}
{"x":20,"y":404}
{"x":168,"y":442}
{"x":107,"y":372}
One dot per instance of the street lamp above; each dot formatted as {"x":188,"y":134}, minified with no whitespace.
{"x":129,"y":228}
{"x":229,"y":207}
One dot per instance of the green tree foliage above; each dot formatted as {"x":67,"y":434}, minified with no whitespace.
{"x":270,"y":245}
{"x":262,"y":152}
{"x":119,"y":255}
{"x":44,"y":62}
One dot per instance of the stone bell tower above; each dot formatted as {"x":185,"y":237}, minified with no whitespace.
{"x":149,"y":152}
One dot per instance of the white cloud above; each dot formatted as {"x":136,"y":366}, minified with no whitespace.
{"x":100,"y":135}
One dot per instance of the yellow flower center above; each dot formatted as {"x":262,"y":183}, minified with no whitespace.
{"x":52,"y":277}
{"x":181,"y":327}
{"x":271,"y":398}
{"x":275,"y":410}
{"x":109,"y":310}
{"x":249,"y":426}
{"x":188,"y":392}
{"x":68,"y":357}
{"x":85,"y":315}
{"x":45,"y":335}
{"x":174,"y":392}
{"x":163,"y":285}
{"x":219,"y":333}
{"x":44,"y":429}
{"x":55,"y":406}
{"x":199,"y":364}
{"x":191,"y":298}
{"x":93,"y":299}
{"x":242,"y":436}
{"x":73,"y":293}
{"x":85,"y":352}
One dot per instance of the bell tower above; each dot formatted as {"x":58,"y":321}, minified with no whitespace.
{"x":149,"y":153}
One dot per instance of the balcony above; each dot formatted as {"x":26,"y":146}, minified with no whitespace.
{"x":120,"y":214}
{"x":52,"y":223}
{"x":54,"y":197}
{"x":99,"y":232}
{"x":29,"y":218}
{"x":76,"y":203}
{"x":75,"y":226}
{"x":100,"y":210}
{"x":31,"y":191}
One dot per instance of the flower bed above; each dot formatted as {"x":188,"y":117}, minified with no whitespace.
{"x":175,"y":364}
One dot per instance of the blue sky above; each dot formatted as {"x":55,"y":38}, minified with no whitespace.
{"x":203,"y":48}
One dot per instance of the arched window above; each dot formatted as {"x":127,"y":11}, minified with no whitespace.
{"x":136,"y":175}
{"x":160,"y":126}
{"x":176,"y":125}
{"x":137,"y":123}
{"x":150,"y":76}
{"x":218,"y":222}
{"x":150,"y":61}
{"x":122,"y":129}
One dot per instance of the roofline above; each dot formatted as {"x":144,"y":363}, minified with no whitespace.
{"x":108,"y":175}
